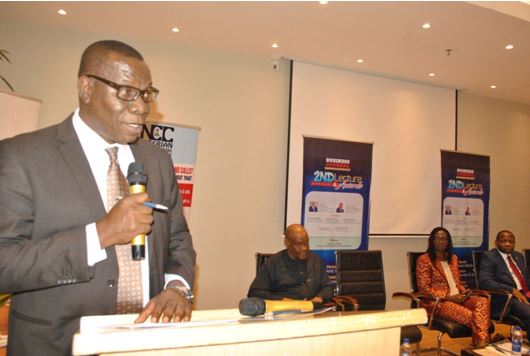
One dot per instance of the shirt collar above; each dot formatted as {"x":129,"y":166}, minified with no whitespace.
{"x":89,"y":137}
{"x":504,"y":255}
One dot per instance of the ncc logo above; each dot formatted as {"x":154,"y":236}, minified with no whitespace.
{"x":158,"y":132}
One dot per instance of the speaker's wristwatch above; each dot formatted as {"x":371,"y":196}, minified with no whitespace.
{"x":185,"y":291}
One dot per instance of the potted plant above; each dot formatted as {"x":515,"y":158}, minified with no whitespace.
{"x":4,"y":315}
{"x":4,"y":57}
{"x":4,"y":298}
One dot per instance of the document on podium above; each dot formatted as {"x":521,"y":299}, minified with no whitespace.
{"x":109,"y":323}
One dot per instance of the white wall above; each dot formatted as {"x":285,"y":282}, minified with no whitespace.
{"x":501,"y":129}
{"x":338,"y":104}
{"x":241,"y":104}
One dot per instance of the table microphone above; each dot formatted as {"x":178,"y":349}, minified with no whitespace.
{"x":137,"y":184}
{"x":258,"y":306}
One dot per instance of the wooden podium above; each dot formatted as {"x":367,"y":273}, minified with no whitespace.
{"x":226,"y":332}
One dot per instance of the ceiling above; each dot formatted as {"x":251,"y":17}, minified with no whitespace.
{"x":388,"y":36}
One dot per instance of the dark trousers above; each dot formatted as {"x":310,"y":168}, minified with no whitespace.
{"x":522,"y":311}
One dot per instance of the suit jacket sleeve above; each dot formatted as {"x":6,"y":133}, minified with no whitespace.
{"x":28,"y":261}
{"x":262,"y":286}
{"x":181,"y":255}
{"x":489,"y":277}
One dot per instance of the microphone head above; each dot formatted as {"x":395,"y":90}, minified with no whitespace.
{"x":135,"y":174}
{"x":252,"y":306}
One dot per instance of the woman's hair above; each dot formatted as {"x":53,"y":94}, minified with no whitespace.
{"x":431,"y":251}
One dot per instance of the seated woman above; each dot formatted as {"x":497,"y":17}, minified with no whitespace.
{"x":437,"y":275}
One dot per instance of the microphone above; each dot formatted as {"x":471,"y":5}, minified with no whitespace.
{"x":137,"y":184}
{"x":258,"y":306}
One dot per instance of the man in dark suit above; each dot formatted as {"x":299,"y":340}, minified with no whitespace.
{"x":57,"y":232}
{"x":503,"y":268}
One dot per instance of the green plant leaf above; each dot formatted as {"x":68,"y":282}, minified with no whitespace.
{"x":4,"y":298}
{"x":3,"y":55}
{"x":7,"y":83}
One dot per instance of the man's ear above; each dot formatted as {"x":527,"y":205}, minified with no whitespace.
{"x":84,"y":88}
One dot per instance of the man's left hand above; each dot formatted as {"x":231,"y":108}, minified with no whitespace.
{"x":169,"y":305}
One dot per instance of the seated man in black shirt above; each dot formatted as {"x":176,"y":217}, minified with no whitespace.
{"x":293,"y":273}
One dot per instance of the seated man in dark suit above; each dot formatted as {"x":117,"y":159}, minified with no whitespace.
{"x":293,"y":273}
{"x":504,"y":268}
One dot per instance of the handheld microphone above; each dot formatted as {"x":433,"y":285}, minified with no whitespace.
{"x":137,"y":184}
{"x":258,"y":306}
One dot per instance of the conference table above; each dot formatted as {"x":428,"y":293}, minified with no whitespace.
{"x":227,"y":332}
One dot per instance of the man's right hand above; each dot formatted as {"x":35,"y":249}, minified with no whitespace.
{"x":520,"y":296}
{"x":127,"y":218}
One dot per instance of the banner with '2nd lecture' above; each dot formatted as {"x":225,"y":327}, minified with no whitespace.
{"x":336,"y":195}
{"x":465,"y":206}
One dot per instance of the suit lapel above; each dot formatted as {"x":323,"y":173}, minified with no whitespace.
{"x":77,"y":163}
{"x":438,"y":268}
{"x":519,"y":261}
{"x":504,"y":267}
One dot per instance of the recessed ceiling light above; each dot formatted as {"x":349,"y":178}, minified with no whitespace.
{"x":175,"y":29}
{"x":432,"y":74}
{"x":360,"y":60}
{"x":426,"y":25}
{"x":493,"y":86}
{"x":510,"y":46}
{"x":275,"y":45}
{"x":323,"y":2}
{"x":61,"y":12}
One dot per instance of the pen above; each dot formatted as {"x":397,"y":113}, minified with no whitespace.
{"x":151,"y":205}
{"x":155,"y":206}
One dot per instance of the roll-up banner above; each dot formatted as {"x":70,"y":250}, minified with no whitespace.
{"x":336,"y":196}
{"x":181,"y":143}
{"x":465,"y":206}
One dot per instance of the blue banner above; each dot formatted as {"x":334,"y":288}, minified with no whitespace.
{"x":465,"y":206}
{"x":336,"y":196}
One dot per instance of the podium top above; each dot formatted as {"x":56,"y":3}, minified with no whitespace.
{"x":117,"y":333}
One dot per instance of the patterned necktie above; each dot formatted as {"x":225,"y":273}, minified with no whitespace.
{"x":519,"y":276}
{"x":130,"y":296}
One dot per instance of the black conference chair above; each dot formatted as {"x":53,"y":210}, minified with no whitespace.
{"x":444,"y":326}
{"x":502,"y":315}
{"x":260,"y":260}
{"x":360,"y":274}
{"x":339,"y":302}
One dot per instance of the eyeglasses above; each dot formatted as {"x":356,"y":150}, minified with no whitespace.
{"x":127,"y":93}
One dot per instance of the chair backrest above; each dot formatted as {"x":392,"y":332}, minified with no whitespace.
{"x":260,"y":260}
{"x":477,"y":255}
{"x":412,"y":257}
{"x":526,"y":253}
{"x":360,"y":274}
